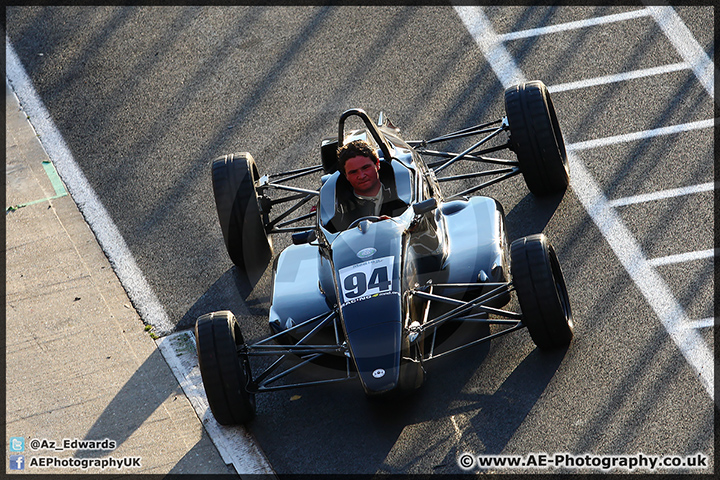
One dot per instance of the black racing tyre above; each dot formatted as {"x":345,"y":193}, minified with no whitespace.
{"x":536,"y":139}
{"x":412,"y":373}
{"x":240,"y":214}
{"x":541,"y":291}
{"x":225,"y":374}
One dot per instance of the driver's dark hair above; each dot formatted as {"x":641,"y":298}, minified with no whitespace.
{"x":354,"y":149}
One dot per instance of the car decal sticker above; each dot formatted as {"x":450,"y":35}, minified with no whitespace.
{"x":366,"y":252}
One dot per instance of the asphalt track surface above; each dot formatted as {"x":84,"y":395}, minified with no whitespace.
{"x":147,"y":97}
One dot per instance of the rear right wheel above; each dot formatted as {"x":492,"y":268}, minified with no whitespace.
{"x":541,"y":291}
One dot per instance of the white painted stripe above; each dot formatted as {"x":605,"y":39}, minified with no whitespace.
{"x":620,"y":77}
{"x":680,"y":36}
{"x":561,"y":27}
{"x":106,"y":232}
{"x":235,"y":444}
{"x":635,"y":136}
{"x":683,"y":257}
{"x":653,"y":287}
{"x":704,"y":323}
{"x":489,"y":42}
{"x":651,"y":284}
{"x":663,"y":194}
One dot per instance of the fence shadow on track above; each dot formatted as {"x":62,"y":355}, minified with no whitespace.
{"x":531,"y":215}
{"x":232,"y":291}
{"x":491,"y":420}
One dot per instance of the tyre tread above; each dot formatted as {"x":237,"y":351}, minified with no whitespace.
{"x":543,"y":311}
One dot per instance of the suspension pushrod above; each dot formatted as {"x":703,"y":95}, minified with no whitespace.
{"x":275,"y":364}
{"x":289,"y":370}
{"x":476,"y":318}
{"x":500,"y":312}
{"x":514,"y":172}
{"x":297,"y":173}
{"x":293,"y":220}
{"x":305,"y":384}
{"x":316,"y":328}
{"x":463,"y":134}
{"x":517,"y":326}
{"x":258,"y":350}
{"x":289,"y":198}
{"x":461,"y":309}
{"x":439,"y":298}
{"x":476,"y":157}
{"x":289,"y":211}
{"x":462,"y":154}
{"x":289,"y":188}
{"x":465,"y":131}
{"x":312,"y":169}
{"x":454,"y":301}
{"x":328,"y":316}
{"x":292,"y":229}
{"x":484,"y":173}
{"x":270,"y":369}
{"x":459,"y":156}
{"x":459,"y":285}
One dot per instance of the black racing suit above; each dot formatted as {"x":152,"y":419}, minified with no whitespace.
{"x":350,"y":207}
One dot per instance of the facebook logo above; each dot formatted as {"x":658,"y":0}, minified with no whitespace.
{"x":17,"y":444}
{"x":17,"y":462}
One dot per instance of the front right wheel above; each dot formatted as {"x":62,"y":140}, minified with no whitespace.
{"x":541,"y":292}
{"x":240,"y":213}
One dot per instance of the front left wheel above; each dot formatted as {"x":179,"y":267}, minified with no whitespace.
{"x":225,"y":374}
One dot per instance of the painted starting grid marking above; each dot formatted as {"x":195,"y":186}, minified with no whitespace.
{"x":681,"y":329}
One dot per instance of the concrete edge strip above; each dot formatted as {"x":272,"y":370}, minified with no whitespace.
{"x":237,"y":448}
{"x":106,"y":232}
{"x":236,"y":445}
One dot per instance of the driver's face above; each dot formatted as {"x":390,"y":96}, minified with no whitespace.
{"x":362,"y":173}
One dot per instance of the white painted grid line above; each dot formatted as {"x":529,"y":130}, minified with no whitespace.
{"x":653,"y":287}
{"x":619,"y":77}
{"x":684,"y":42}
{"x":704,"y":323}
{"x":683,"y":257}
{"x":635,"y":136}
{"x":561,"y":27}
{"x":663,"y":194}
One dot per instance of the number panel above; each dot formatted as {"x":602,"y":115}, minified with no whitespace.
{"x":366,"y":279}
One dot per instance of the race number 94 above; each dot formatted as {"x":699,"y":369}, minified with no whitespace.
{"x":366,"y":279}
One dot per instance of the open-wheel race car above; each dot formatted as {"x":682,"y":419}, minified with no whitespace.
{"x":379,"y":299}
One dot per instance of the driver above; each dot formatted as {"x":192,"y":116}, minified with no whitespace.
{"x":361,"y":166}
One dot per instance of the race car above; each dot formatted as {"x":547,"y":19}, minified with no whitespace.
{"x":378,"y":301}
